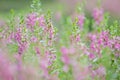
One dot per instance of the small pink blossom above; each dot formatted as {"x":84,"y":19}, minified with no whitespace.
{"x":18,"y":37}
{"x":22,"y":47}
{"x":78,"y":38}
{"x":5,"y":69}
{"x":65,"y":68}
{"x":98,"y":15}
{"x":92,"y":46}
{"x":65,"y":57}
{"x":71,"y":50}
{"x":44,"y":67}
{"x":51,"y":33}
{"x":37,"y":50}
{"x":91,"y":55}
{"x":117,"y":46}
{"x":101,"y":71}
{"x":31,"y":20}
{"x":80,"y":22}
{"x":41,"y":21}
{"x":64,"y":50}
{"x":33,"y":39}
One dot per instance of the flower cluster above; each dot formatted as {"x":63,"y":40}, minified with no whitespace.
{"x":35,"y":50}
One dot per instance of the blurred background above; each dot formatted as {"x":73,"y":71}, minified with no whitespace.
{"x":65,"y":6}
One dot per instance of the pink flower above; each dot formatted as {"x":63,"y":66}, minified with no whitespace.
{"x":44,"y":67}
{"x":80,"y":22}
{"x":65,"y":57}
{"x":92,"y":46}
{"x":91,"y":55}
{"x":19,"y":66}
{"x":71,"y":50}
{"x":22,"y":47}
{"x":37,"y":50}
{"x":117,"y":46}
{"x":92,"y":37}
{"x":18,"y":37}
{"x":105,"y":36}
{"x":51,"y":33}
{"x":100,"y":41}
{"x":5,"y":69}
{"x":31,"y":20}
{"x":78,"y":38}
{"x":41,"y":21}
{"x":65,"y":68}
{"x":98,"y":15}
{"x":33,"y":39}
{"x":101,"y":71}
{"x":64,"y":50}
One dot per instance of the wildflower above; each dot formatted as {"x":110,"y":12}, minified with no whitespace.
{"x":31,"y":20}
{"x":71,"y":50}
{"x":105,"y":37}
{"x":117,"y":46}
{"x":100,"y":41}
{"x":44,"y":67}
{"x":98,"y":15}
{"x":64,"y":50}
{"x":101,"y":71}
{"x":80,"y":22}
{"x":65,"y":68}
{"x":41,"y":21}
{"x":18,"y":37}
{"x":21,"y":47}
{"x":91,"y":55}
{"x":78,"y":38}
{"x":19,"y":66}
{"x":5,"y":69}
{"x":51,"y":32}
{"x":33,"y":39}
{"x":92,"y":46}
{"x":37,"y":50}
{"x":65,"y":59}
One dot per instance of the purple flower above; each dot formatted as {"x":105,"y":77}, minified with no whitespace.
{"x":117,"y":46}
{"x":65,"y":57}
{"x":31,"y":20}
{"x":65,"y":68}
{"x":80,"y":22}
{"x":37,"y":50}
{"x":98,"y":15}
{"x":78,"y":38}
{"x":64,"y":50}
{"x":18,"y":37}
{"x":101,"y":71}
{"x":92,"y":46}
{"x":91,"y":55}
{"x":51,"y":32}
{"x":92,"y":37}
{"x":41,"y":21}
{"x":22,"y":47}
{"x":44,"y":66}
{"x":5,"y":69}
{"x":34,"y":39}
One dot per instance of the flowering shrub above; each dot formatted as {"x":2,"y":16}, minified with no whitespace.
{"x":32,"y":48}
